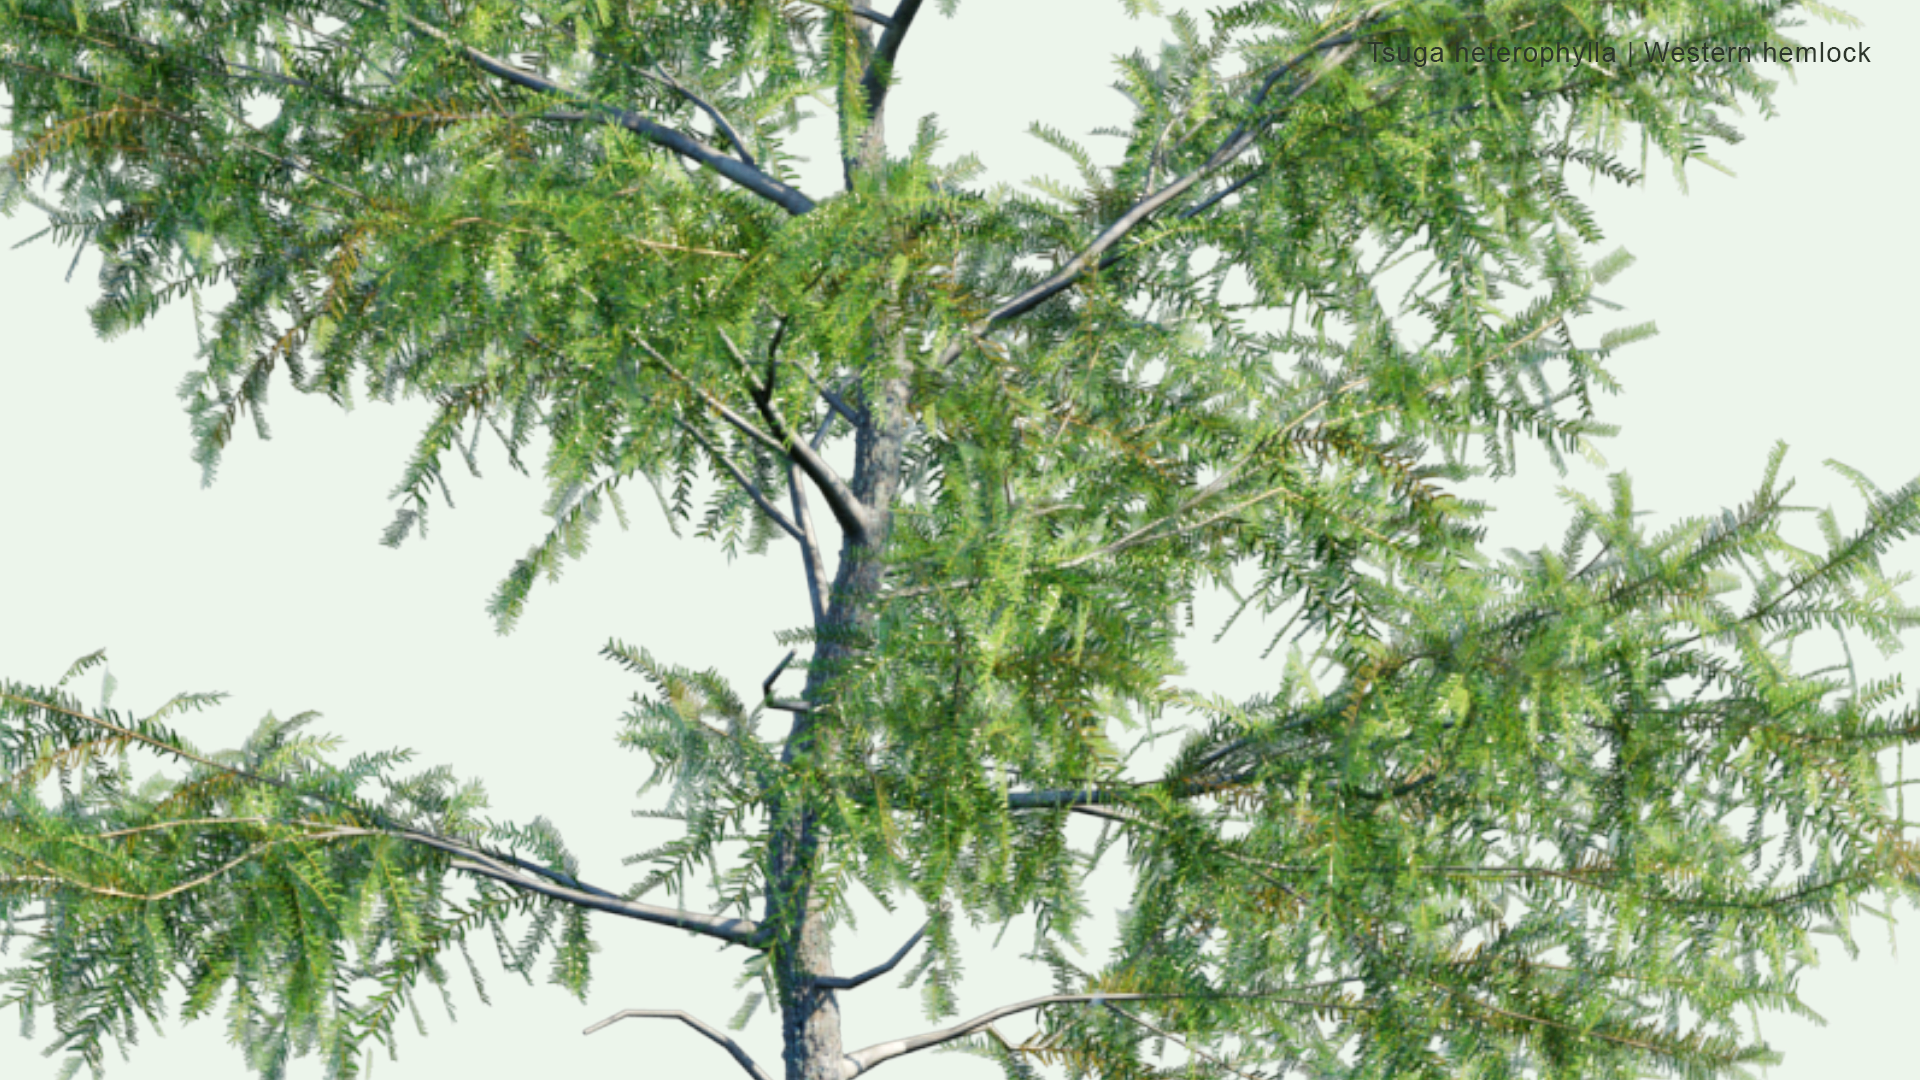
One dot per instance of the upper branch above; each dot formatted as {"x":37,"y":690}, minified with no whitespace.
{"x":1339,"y":47}
{"x":878,"y":74}
{"x":739,"y":172}
{"x":661,"y":75}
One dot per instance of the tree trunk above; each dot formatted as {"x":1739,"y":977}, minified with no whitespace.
{"x":810,"y":1016}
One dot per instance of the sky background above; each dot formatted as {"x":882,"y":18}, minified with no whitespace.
{"x":1783,"y":298}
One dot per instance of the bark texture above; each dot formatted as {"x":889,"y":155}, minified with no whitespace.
{"x":810,"y":1014}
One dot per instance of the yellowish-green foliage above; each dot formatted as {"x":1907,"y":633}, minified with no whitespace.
{"x":1571,"y":814}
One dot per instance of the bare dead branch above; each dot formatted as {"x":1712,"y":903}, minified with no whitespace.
{"x":726,"y":1041}
{"x":849,"y":982}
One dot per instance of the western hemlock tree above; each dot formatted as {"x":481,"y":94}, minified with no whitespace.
{"x":1569,"y":814}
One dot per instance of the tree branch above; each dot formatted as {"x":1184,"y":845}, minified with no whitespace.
{"x":696,"y":1024}
{"x":877,"y":77}
{"x":766,"y":686}
{"x":740,"y":423}
{"x":848,"y":510}
{"x":809,"y":541}
{"x":861,"y":1061}
{"x":868,"y":14}
{"x":1340,"y":46}
{"x":661,"y":75}
{"x":471,"y":859}
{"x":849,"y":982}
{"x":732,"y":931}
{"x":1083,"y":798}
{"x":809,"y":549}
{"x":753,"y":490}
{"x":828,"y":395}
{"x":1189,"y":1047}
{"x":739,"y":172}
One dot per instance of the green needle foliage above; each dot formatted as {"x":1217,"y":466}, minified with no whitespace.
{"x":1574,"y":813}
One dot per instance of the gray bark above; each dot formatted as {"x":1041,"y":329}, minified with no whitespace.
{"x":803,"y":950}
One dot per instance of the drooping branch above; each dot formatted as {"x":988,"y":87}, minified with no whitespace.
{"x":468,"y":857}
{"x":734,"y":169}
{"x":732,"y":931}
{"x":740,"y":423}
{"x":740,"y":1055}
{"x":1338,"y":49}
{"x":849,"y":982}
{"x":862,"y":1061}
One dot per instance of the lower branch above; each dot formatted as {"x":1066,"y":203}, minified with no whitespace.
{"x":860,"y":1061}
{"x":1171,"y":1037}
{"x":696,"y":1024}
{"x":733,"y":931}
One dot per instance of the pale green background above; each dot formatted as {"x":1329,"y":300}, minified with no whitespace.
{"x":1779,"y":296}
